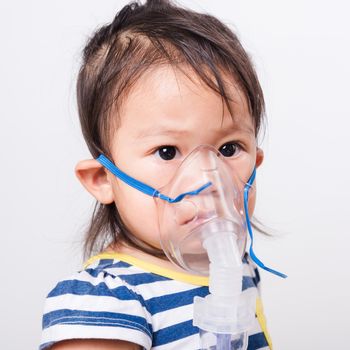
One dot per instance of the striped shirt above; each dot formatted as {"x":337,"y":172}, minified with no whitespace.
{"x":117,"y":296}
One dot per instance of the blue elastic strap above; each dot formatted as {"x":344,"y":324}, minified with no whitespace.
{"x":251,"y":252}
{"x":103,"y":160}
{"x":182,"y":195}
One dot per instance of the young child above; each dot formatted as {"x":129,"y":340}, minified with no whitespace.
{"x":155,"y":84}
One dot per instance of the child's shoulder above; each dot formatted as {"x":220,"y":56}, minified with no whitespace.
{"x":117,"y":280}
{"x":96,"y":302}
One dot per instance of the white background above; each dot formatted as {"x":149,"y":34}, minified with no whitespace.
{"x":301,"y":50}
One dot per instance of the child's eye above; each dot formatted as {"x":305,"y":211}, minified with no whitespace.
{"x":167,"y":152}
{"x":230,"y":149}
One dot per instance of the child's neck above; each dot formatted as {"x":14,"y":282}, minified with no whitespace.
{"x":145,"y":257}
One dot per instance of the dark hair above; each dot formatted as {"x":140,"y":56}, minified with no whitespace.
{"x":115,"y":57}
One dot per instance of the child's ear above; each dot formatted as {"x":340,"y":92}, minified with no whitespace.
{"x":259,"y":157}
{"x":94,"y":178}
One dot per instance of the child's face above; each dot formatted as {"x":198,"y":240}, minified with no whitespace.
{"x":162,"y":120}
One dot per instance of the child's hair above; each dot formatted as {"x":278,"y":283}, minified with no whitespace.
{"x":115,"y":57}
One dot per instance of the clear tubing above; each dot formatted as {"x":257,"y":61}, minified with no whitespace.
{"x":232,"y":342}
{"x":210,"y":341}
{"x":223,"y":342}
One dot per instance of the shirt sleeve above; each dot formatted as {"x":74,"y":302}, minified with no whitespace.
{"x":95,"y":305}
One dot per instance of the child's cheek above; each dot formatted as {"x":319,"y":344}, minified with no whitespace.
{"x":138,"y":212}
{"x":252,"y":201}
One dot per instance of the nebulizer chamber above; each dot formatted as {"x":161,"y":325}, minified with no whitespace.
{"x":225,"y":315}
{"x":204,"y":233}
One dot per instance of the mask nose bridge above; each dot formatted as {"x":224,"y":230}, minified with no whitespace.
{"x":207,"y":157}
{"x":208,"y":167}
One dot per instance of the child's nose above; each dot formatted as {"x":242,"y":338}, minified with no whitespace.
{"x":198,"y":208}
{"x":185,"y":212}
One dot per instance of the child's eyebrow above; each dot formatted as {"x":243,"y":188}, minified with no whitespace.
{"x":156,"y":131}
{"x":160,"y":131}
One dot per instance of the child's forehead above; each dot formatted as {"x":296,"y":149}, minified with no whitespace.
{"x":165,"y":96}
{"x":169,"y":80}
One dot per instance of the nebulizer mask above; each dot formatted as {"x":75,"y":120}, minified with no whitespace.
{"x":203,"y":220}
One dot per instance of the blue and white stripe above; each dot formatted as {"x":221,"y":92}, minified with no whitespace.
{"x":112,"y":299}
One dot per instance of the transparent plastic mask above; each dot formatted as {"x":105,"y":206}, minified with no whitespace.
{"x":219,"y":207}
{"x":214,"y":191}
